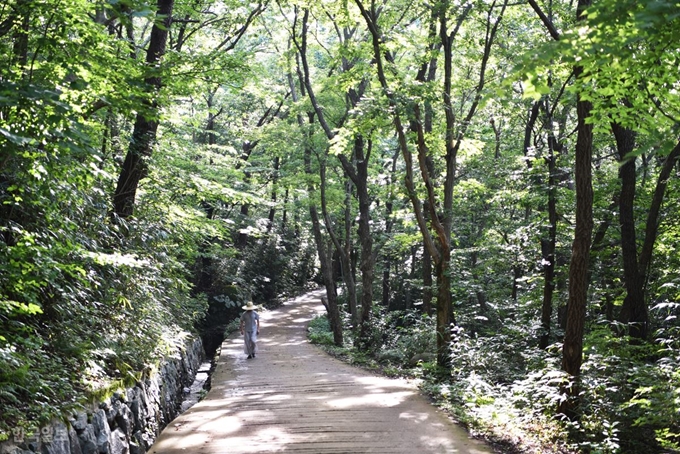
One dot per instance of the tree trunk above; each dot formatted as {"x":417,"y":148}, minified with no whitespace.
{"x":444,"y":311}
{"x":135,"y":166}
{"x":20,"y":36}
{"x":548,"y":244}
{"x":439,"y":244}
{"x":348,"y":273}
{"x":324,"y":258}
{"x":343,"y":253}
{"x":634,"y":310}
{"x":367,"y":263}
{"x":272,"y":209}
{"x":327,"y":274}
{"x":572,"y":355}
{"x":427,"y":282}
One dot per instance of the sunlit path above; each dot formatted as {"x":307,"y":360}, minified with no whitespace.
{"x":294,"y":398}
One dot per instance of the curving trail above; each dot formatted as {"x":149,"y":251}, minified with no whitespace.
{"x":294,"y":398}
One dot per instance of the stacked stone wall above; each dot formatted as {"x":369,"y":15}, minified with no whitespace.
{"x":126,"y":423}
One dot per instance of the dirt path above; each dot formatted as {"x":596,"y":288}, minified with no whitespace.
{"x":294,"y":398}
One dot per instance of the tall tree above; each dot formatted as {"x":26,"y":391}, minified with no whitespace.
{"x":323,"y":252}
{"x":440,"y":214}
{"x":146,"y":123}
{"x":572,"y":356}
{"x":357,"y":171}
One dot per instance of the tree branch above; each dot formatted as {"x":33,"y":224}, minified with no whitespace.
{"x":546,"y":21}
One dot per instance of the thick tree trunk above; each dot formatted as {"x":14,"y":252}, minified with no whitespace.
{"x":146,"y":123}
{"x":22,"y":16}
{"x":578,"y":268}
{"x":634,"y":310}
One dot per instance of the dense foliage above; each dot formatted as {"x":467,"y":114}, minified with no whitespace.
{"x":422,"y":160}
{"x":89,"y":300}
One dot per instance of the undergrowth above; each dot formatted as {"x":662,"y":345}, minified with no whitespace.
{"x":509,"y":396}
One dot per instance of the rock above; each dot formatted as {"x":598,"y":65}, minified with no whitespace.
{"x":74,"y":444}
{"x":421,"y":357}
{"x":102,"y":431}
{"x":124,"y":420}
{"x":81,"y":422}
{"x":88,"y":440}
{"x":119,"y":444}
{"x":55,"y":440}
{"x":129,"y":421}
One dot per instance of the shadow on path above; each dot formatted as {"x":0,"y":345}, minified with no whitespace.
{"x":294,"y":398}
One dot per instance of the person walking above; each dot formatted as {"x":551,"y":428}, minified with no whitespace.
{"x":250,"y":329}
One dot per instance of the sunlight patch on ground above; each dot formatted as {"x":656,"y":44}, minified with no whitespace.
{"x":277,"y":398}
{"x":415,"y":417}
{"x":376,"y":400}
{"x":266,"y":440}
{"x":222,"y":424}
{"x":381,"y":383}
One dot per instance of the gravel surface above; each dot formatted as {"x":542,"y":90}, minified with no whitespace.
{"x":294,"y":398}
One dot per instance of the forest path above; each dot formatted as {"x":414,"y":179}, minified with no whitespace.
{"x":294,"y":398}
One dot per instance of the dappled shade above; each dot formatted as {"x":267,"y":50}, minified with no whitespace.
{"x":294,"y":398}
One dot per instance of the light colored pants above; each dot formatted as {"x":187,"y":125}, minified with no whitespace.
{"x":250,"y":342}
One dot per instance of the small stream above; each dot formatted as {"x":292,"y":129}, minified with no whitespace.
{"x":197,"y":390}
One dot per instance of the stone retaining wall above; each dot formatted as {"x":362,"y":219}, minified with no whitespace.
{"x":126,"y":423}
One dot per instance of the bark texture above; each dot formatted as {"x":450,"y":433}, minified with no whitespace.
{"x":135,"y":166}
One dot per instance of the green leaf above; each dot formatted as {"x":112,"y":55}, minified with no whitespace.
{"x":15,"y":139}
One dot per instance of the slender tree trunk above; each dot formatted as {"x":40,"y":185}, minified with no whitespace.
{"x":272,"y":209}
{"x":359,"y":177}
{"x":389,"y":223}
{"x":438,"y":246}
{"x":348,"y":273}
{"x":653,"y":215}
{"x":343,"y":253}
{"x":146,"y":123}
{"x":324,"y":258}
{"x":427,"y":282}
{"x":367,"y":263}
{"x":548,"y":244}
{"x":284,"y":215}
{"x":572,"y":355}
{"x":327,"y":273}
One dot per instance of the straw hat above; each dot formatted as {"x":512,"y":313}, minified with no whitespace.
{"x":249,"y":306}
